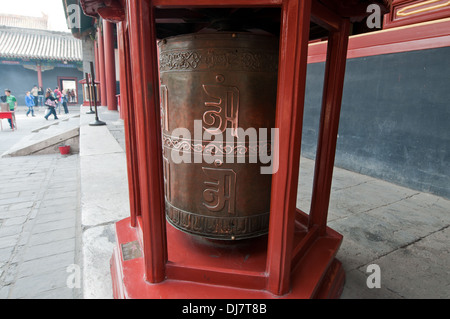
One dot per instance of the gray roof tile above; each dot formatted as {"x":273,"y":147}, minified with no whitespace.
{"x":39,"y":44}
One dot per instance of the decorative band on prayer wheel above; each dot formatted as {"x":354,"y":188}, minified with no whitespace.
{"x":218,"y":98}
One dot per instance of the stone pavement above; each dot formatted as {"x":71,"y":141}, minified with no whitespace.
{"x":57,"y":215}
{"x":404,"y":232}
{"x":39,"y":207}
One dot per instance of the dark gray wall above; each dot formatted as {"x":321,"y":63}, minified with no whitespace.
{"x":20,"y":80}
{"x":395,"y":118}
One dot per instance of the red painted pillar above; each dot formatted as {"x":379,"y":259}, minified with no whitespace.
{"x":97,"y":69}
{"x":144,"y":71}
{"x":110,"y":68}
{"x":39,"y":75}
{"x":289,"y":119}
{"x":126,"y":107}
{"x":101,"y":64}
{"x":329,"y":124}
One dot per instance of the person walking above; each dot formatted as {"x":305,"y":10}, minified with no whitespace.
{"x":64,"y":101}
{"x":29,"y":102}
{"x":12,"y":102}
{"x":41,"y":96}
{"x":35,"y":93}
{"x":58,"y":98}
{"x":50,"y":102}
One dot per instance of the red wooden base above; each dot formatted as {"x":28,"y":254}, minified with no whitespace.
{"x":198,"y":269}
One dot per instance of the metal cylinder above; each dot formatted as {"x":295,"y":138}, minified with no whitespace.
{"x":218,"y":90}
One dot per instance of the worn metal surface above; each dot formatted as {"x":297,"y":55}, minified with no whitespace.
{"x":226,"y":82}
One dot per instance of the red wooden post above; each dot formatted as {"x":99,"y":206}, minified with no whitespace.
{"x":290,"y":101}
{"x":97,"y":69}
{"x":329,"y":124}
{"x":39,"y":75}
{"x":101,"y":60}
{"x":110,"y":67}
{"x":148,"y":129}
{"x":127,"y":106}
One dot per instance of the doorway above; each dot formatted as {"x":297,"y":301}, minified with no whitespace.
{"x":69,"y":87}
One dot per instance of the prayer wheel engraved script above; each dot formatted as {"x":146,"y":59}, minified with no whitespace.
{"x":221,"y":190}
{"x":224,"y":109}
{"x":217,"y":89}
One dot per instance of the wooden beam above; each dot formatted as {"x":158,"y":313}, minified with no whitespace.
{"x":329,"y":124}
{"x":289,"y":120}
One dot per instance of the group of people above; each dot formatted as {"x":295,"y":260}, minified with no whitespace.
{"x":49,"y":98}
{"x":37,"y":97}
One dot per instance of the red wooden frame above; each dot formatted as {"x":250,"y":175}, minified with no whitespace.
{"x":8,"y":115}
{"x":428,"y":35}
{"x":297,"y":259}
{"x":101,"y":66}
{"x":407,"y":12}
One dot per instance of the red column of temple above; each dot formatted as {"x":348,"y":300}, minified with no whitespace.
{"x":39,"y":75}
{"x":101,"y":64}
{"x":97,"y":69}
{"x":110,"y":68}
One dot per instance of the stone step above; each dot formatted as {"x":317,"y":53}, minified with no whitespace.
{"x":48,"y":138}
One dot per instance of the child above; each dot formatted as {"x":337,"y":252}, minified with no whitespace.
{"x":29,"y":101}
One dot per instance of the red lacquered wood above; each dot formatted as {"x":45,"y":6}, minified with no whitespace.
{"x":318,"y":275}
{"x":421,"y":11}
{"x":110,"y":68}
{"x":148,"y":131}
{"x":329,"y":124}
{"x":127,"y":106}
{"x":221,"y":3}
{"x":97,"y":68}
{"x":101,"y":60}
{"x":324,"y":17}
{"x":298,"y":260}
{"x":422,"y":36}
{"x":289,"y":119}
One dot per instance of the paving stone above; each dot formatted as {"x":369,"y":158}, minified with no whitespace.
{"x":356,"y":287}
{"x":419,"y":270}
{"x":55,"y":216}
{"x":54,"y":225}
{"x":51,"y":236}
{"x":48,"y":249}
{"x":5,"y":253}
{"x":13,"y":213}
{"x":58,"y":293}
{"x":6,"y":195}
{"x":10,"y":230}
{"x":9,"y":241}
{"x":34,"y":286}
{"x":45,"y":264}
{"x":15,"y":221}
{"x":22,"y":205}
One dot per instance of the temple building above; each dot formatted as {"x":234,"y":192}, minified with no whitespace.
{"x":30,"y":55}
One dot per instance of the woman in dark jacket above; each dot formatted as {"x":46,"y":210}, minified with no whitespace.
{"x":50,"y":102}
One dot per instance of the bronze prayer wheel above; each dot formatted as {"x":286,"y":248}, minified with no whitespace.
{"x":217,"y":89}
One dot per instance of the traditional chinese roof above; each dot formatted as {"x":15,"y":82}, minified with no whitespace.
{"x":19,"y":21}
{"x":39,"y":44}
